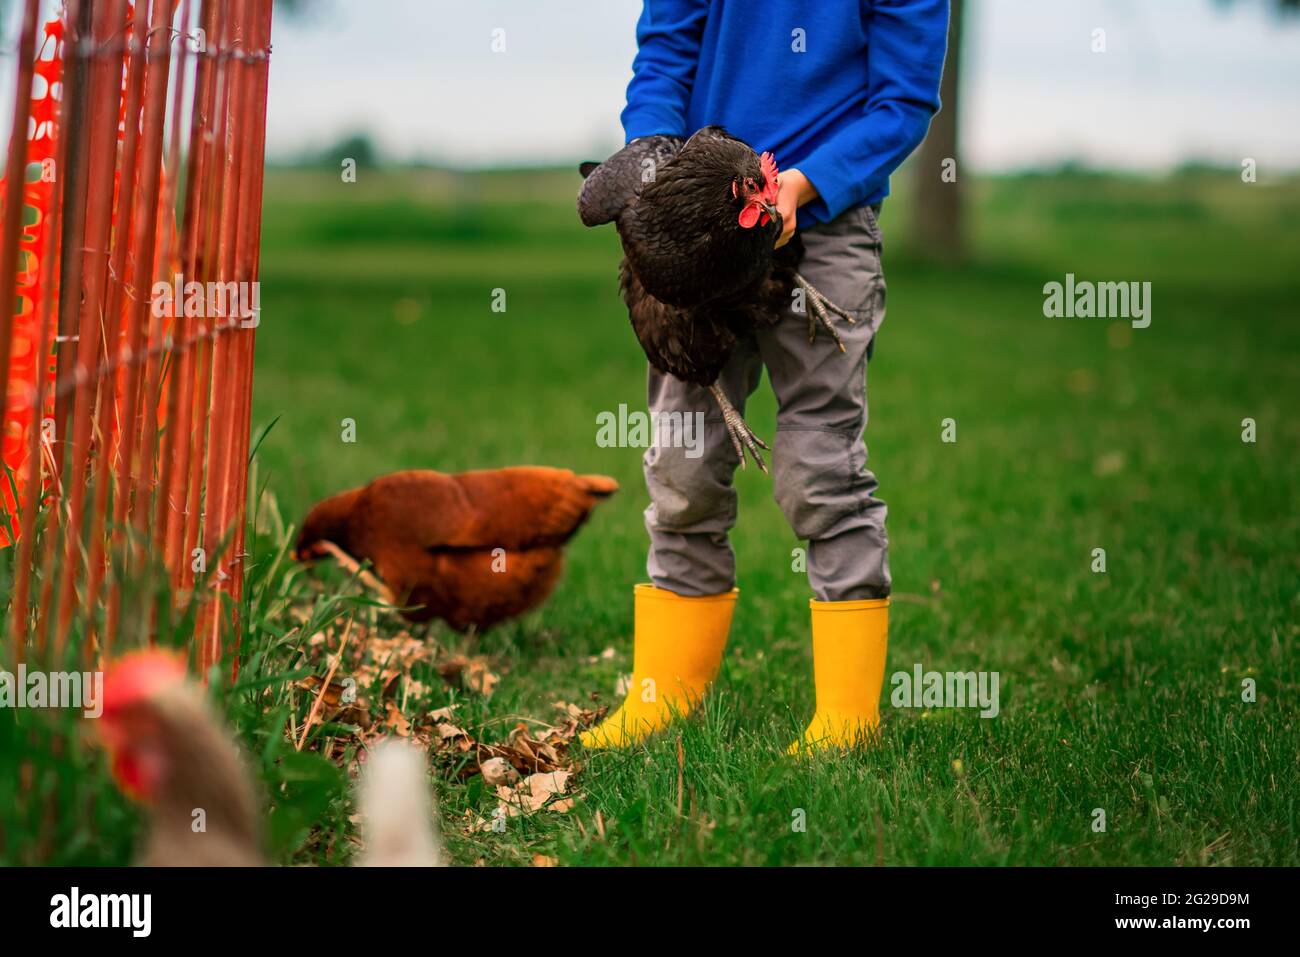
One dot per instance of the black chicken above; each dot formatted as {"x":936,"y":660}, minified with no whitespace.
{"x":697,"y":221}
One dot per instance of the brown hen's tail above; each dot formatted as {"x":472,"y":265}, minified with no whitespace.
{"x":601,"y":486}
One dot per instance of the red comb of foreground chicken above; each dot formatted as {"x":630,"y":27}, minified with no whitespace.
{"x":756,"y":211}
{"x":167,"y":751}
{"x":697,"y":220}
{"x":473,"y":549}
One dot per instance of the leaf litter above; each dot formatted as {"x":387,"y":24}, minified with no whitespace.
{"x":372,"y":693}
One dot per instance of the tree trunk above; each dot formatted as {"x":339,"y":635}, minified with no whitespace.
{"x":939,"y":190}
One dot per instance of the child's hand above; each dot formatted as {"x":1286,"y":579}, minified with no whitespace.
{"x":796,"y":190}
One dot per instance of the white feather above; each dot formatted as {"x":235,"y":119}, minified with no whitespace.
{"x":397,"y":809}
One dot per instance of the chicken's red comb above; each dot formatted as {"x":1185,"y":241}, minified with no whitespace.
{"x":138,"y":676}
{"x":771,"y":185}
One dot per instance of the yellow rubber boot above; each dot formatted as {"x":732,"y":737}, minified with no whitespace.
{"x":849,"y":643}
{"x":677,"y":647}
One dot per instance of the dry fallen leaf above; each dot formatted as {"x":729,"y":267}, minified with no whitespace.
{"x":532,"y":794}
{"x":396,"y":722}
{"x":547,"y":785}
{"x":530,"y":771}
{"x":447,"y":731}
{"x":340,"y":704}
{"x":473,"y":673}
{"x":332,"y":696}
{"x":497,"y":771}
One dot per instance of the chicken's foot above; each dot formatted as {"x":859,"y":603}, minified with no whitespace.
{"x":741,"y":435}
{"x":819,"y":310}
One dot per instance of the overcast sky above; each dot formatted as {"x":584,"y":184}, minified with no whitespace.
{"x":1180,"y":79}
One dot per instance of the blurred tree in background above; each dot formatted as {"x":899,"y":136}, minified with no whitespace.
{"x":940,"y":199}
{"x":299,"y":7}
{"x":938,"y":216}
{"x":358,"y":147}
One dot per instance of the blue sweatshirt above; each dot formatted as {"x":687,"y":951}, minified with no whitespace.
{"x":842,"y":89}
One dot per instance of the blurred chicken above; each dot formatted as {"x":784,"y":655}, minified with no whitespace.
{"x":167,"y":751}
{"x":473,"y":549}
{"x":397,"y":814}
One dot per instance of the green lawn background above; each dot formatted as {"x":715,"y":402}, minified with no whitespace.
{"x":1120,"y":691}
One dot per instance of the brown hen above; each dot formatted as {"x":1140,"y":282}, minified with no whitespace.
{"x":473,"y":549}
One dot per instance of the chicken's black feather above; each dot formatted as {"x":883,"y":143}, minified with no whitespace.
{"x":694,"y":280}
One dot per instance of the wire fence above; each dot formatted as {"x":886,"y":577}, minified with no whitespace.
{"x":131,"y":226}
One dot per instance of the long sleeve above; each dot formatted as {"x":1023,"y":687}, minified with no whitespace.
{"x":907,"y":39}
{"x":668,"y":39}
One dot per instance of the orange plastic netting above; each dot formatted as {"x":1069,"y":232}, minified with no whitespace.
{"x":26,"y":362}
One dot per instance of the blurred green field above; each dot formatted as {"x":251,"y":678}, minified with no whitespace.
{"x":1120,"y":691}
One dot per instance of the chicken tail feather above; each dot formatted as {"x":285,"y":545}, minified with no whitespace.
{"x":609,"y":186}
{"x":397,"y":810}
{"x":601,"y":486}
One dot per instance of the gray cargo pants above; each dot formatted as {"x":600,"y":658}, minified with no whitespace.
{"x":819,"y":458}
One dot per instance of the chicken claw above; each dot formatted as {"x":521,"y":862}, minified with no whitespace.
{"x":819,"y":309}
{"x":741,"y":435}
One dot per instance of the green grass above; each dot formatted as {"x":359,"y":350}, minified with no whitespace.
{"x":1120,"y":691}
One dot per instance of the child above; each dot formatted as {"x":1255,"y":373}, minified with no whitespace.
{"x":840,"y":91}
